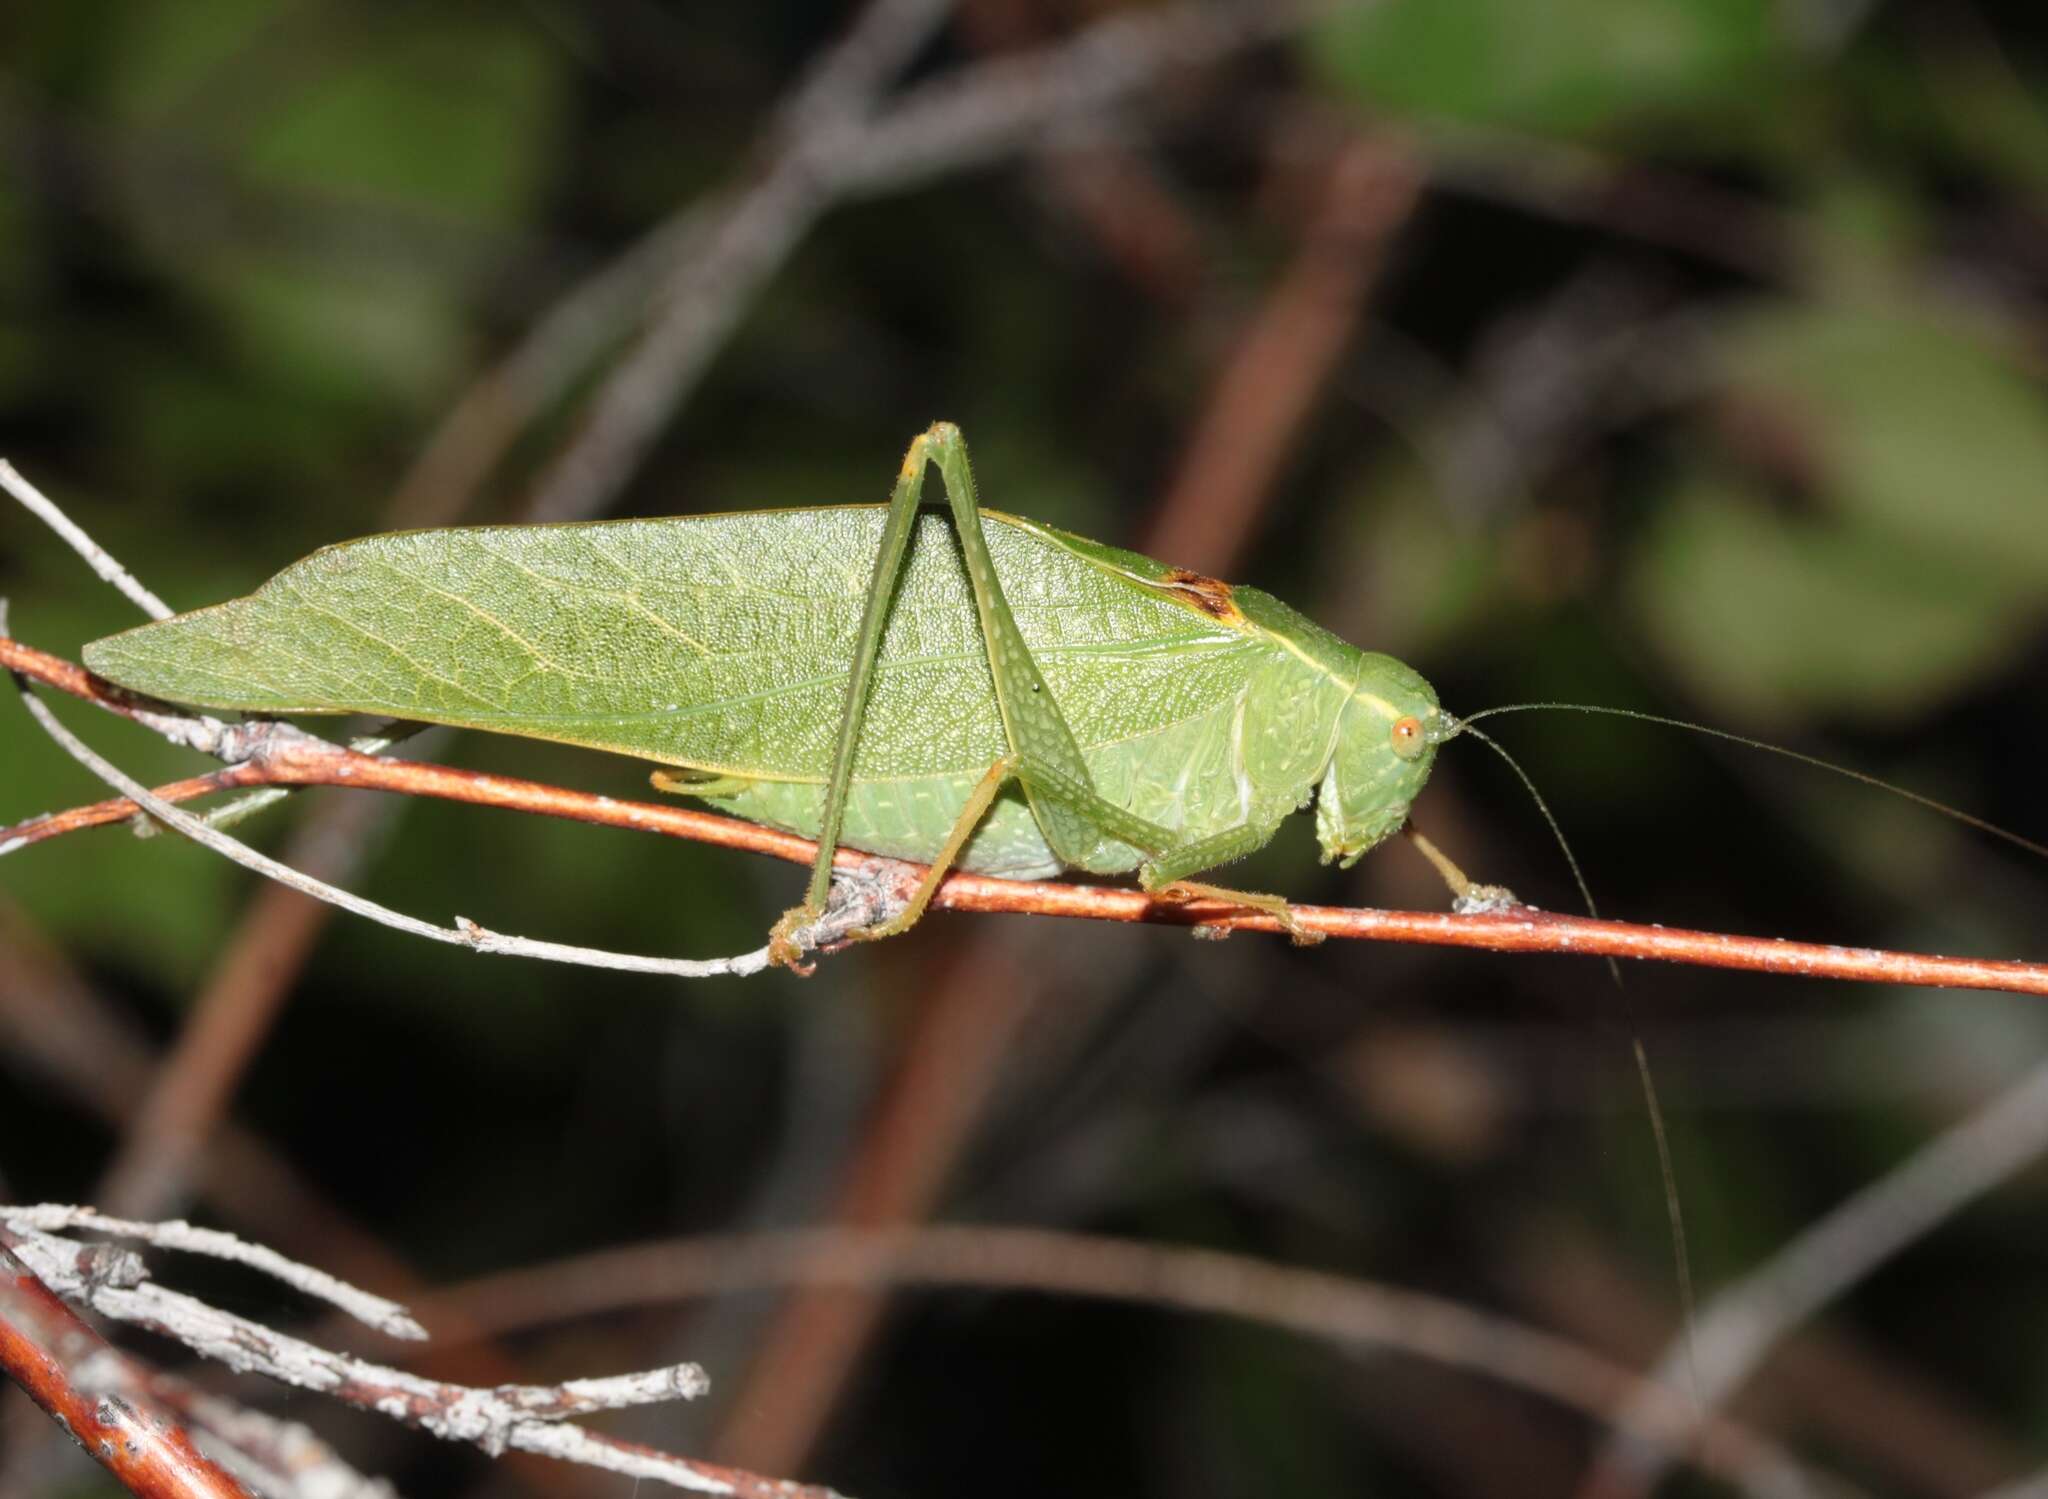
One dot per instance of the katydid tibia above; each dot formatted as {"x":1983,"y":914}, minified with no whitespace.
{"x":990,"y":694}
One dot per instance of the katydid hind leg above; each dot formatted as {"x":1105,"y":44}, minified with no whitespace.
{"x":1168,"y":874}
{"x":1038,"y":732}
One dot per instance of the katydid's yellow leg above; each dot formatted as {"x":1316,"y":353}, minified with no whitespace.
{"x":1467,"y":894}
{"x":1168,"y":875}
{"x":978,"y":802}
{"x":1168,"y":863}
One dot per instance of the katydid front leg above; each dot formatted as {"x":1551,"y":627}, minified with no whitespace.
{"x":1044,"y":757}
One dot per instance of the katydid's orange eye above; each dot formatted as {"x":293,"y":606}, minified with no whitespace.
{"x":1407,"y":737}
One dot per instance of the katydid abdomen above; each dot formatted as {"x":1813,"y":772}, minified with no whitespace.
{"x":720,"y":644}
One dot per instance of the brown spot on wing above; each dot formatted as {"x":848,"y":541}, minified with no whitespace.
{"x":1210,"y":595}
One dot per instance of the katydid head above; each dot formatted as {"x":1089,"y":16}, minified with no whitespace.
{"x":1387,"y":734}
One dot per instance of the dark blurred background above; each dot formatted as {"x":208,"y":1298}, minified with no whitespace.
{"x":1682,"y":355}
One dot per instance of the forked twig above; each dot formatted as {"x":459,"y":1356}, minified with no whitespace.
{"x":526,"y":1418}
{"x":464,"y":933}
{"x":387,"y":1317}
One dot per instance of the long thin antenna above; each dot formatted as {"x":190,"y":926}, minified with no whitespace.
{"x":1681,"y":1256}
{"x":2039,"y":850}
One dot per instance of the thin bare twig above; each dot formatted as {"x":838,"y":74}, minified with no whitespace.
{"x":298,"y":759}
{"x":524,"y":1418}
{"x":68,"y":1370}
{"x":387,"y":1317}
{"x":464,"y":934}
{"x":995,"y":109}
{"x":1314,"y":1304}
{"x":1737,"y":1330}
{"x":96,"y":557}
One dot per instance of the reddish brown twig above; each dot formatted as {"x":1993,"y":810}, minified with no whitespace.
{"x":43,"y":1343}
{"x":294,"y":759}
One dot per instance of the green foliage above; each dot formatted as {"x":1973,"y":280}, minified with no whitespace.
{"x":1573,"y":66}
{"x":1913,"y":562}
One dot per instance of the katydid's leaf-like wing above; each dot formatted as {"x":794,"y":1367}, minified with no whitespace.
{"x":719,"y":641}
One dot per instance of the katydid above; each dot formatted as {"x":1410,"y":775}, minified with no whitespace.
{"x":990,"y":694}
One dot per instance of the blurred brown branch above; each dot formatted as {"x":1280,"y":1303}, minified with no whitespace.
{"x":292,"y":758}
{"x":1315,"y":1304}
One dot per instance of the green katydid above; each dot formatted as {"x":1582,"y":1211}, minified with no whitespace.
{"x":992,"y":694}
{"x":989,"y":694}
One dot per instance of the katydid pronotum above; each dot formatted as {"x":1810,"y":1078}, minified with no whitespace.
{"x":991,"y":694}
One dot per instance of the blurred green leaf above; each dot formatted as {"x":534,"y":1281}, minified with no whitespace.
{"x":453,"y":115}
{"x":1768,"y":615}
{"x":165,"y":52}
{"x":1915,"y":558}
{"x":1920,"y":431}
{"x":1574,"y":65}
{"x":426,"y":135}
